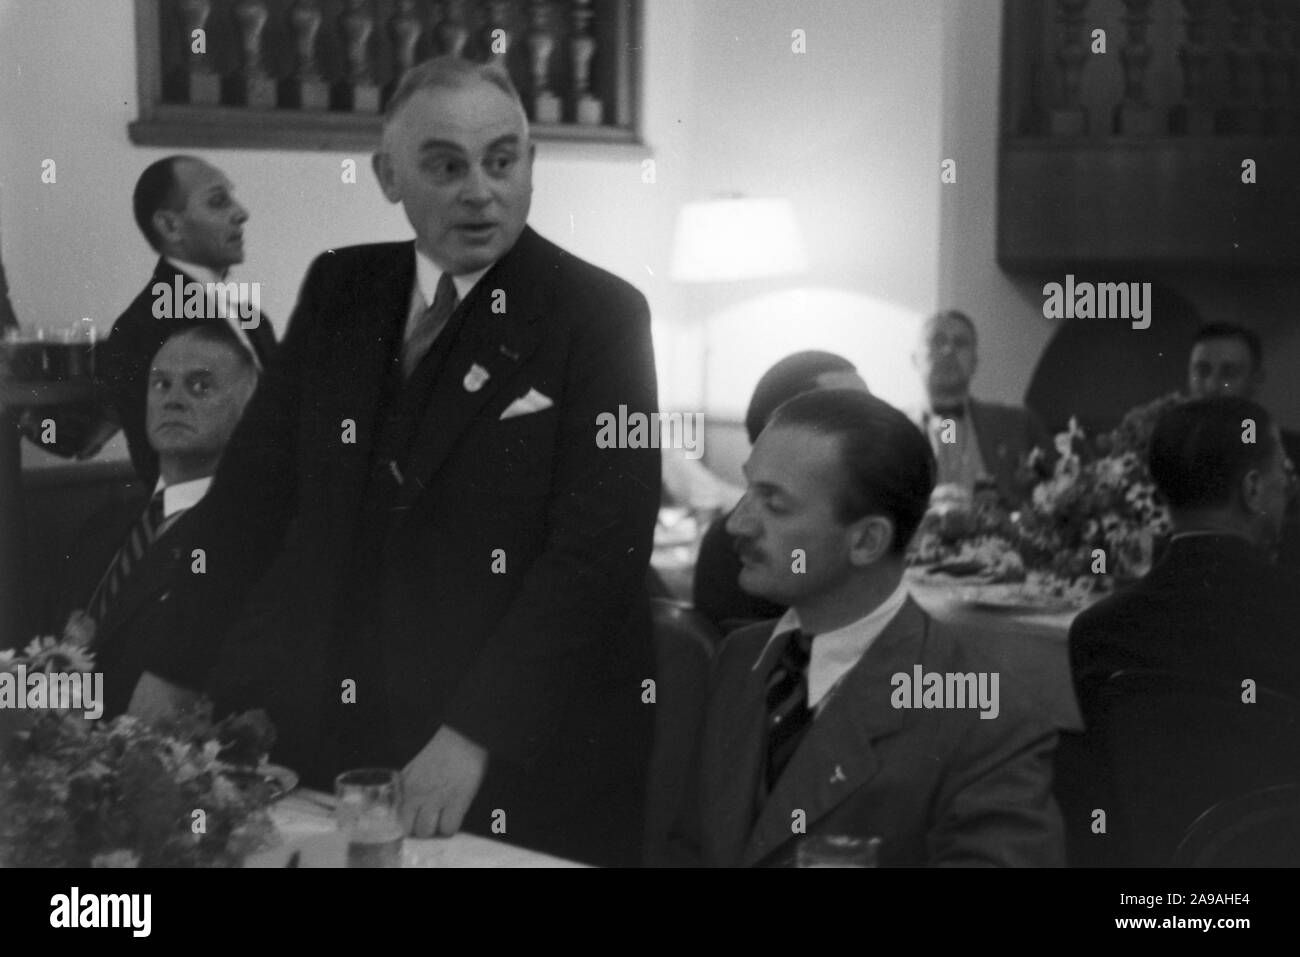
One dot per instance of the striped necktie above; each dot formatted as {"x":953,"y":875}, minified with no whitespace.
{"x":425,"y":328}
{"x":142,"y":535}
{"x":788,"y":714}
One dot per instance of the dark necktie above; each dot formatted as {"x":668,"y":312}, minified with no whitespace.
{"x":788,"y":714}
{"x":428,"y":324}
{"x":142,"y":535}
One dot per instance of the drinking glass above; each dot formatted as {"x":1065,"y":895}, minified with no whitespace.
{"x":838,"y":850}
{"x":369,"y":814}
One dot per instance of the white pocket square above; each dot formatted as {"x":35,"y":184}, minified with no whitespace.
{"x":534,"y":401}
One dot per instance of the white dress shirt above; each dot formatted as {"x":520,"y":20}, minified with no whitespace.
{"x":205,"y":275}
{"x":180,"y":497}
{"x":427,"y":275}
{"x":834,"y":653}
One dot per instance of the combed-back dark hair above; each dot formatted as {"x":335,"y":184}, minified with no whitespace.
{"x":889,"y":468}
{"x":156,"y":189}
{"x":449,"y":72}
{"x":792,"y":375}
{"x":1197,"y":456}
{"x":1230,"y":330}
{"x":215,"y":332}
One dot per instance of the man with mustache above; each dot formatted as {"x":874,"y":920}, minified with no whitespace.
{"x":444,"y":566}
{"x":975,"y":443}
{"x":806,"y":733}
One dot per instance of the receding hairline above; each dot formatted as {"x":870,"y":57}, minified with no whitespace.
{"x":452,"y":74}
{"x":236,"y":350}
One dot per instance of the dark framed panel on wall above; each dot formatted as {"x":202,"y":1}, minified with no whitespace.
{"x":315,"y":74}
{"x":1150,"y":132}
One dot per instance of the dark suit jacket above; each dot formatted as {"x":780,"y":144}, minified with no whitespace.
{"x":1006,"y":434}
{"x":941,"y":787}
{"x":716,"y":591}
{"x":142,"y":626}
{"x":122,"y":364}
{"x":1212,"y":607}
{"x":541,"y":663}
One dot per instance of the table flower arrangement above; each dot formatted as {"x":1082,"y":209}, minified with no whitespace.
{"x":1094,"y":517}
{"x":123,"y":793}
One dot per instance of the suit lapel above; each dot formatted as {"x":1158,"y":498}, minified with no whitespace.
{"x":491,"y":347}
{"x":731,"y":777}
{"x":837,"y":756}
{"x":364,"y":353}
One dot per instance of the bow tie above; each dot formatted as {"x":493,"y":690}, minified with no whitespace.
{"x":949,"y":411}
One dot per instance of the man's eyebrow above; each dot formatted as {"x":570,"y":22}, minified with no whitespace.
{"x":436,"y":144}
{"x":509,"y":139}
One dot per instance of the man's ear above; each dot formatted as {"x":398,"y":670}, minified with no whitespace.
{"x":167,"y":225}
{"x":871,"y":539}
{"x":1251,"y":490}
{"x":382,"y":164}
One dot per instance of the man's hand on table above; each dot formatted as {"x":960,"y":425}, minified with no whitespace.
{"x":439,"y":784}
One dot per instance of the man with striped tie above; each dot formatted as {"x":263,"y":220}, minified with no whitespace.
{"x":811,"y":727}
{"x":129,"y":556}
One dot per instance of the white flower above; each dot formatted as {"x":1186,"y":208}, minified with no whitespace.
{"x":6,"y":659}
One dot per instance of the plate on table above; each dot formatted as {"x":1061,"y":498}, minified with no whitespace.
{"x":281,"y":779}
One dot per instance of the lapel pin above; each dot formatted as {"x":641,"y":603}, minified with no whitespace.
{"x":475,"y":378}
{"x":838,"y":776}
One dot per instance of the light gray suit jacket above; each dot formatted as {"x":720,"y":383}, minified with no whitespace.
{"x":939,"y":786}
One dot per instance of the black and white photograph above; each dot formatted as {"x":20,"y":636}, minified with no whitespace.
{"x":656,"y":434}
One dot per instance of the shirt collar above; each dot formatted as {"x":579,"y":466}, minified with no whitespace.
{"x":834,"y":653}
{"x":195,"y":271}
{"x":427,"y":274}
{"x":182,"y":495}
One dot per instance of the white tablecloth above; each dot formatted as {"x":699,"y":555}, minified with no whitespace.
{"x":306,"y":824}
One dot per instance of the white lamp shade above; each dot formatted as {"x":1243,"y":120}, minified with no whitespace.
{"x":723,"y":240}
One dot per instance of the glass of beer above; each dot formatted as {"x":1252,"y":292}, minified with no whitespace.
{"x":369,"y":814}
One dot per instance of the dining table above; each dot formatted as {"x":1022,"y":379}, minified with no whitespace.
{"x":305,"y":826}
{"x":1029,"y":645}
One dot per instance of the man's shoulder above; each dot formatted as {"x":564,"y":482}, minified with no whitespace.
{"x":573,"y":274}
{"x":349,"y":259}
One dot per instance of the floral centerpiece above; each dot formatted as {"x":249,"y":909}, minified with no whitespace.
{"x":125,"y":793}
{"x":1093,"y":517}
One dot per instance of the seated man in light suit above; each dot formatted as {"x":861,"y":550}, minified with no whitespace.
{"x":812,"y":727}
{"x":974,"y":442}
{"x":130,"y":556}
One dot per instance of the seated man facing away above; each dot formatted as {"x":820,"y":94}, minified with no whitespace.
{"x":820,"y":723}
{"x":128,"y":558}
{"x":717,"y":595}
{"x":1213,"y":607}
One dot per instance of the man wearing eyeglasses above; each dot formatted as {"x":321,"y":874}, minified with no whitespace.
{"x":976,"y":444}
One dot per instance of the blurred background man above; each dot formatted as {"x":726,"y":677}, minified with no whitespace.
{"x":975,"y":443}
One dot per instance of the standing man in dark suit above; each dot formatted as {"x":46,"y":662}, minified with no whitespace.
{"x":462,"y":555}
{"x":973,"y":441}
{"x":188,"y":214}
{"x":129,"y":557}
{"x":816,"y":724}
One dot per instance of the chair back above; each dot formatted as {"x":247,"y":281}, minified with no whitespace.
{"x":1174,"y":745}
{"x":1259,"y":829}
{"x":684,"y":643}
